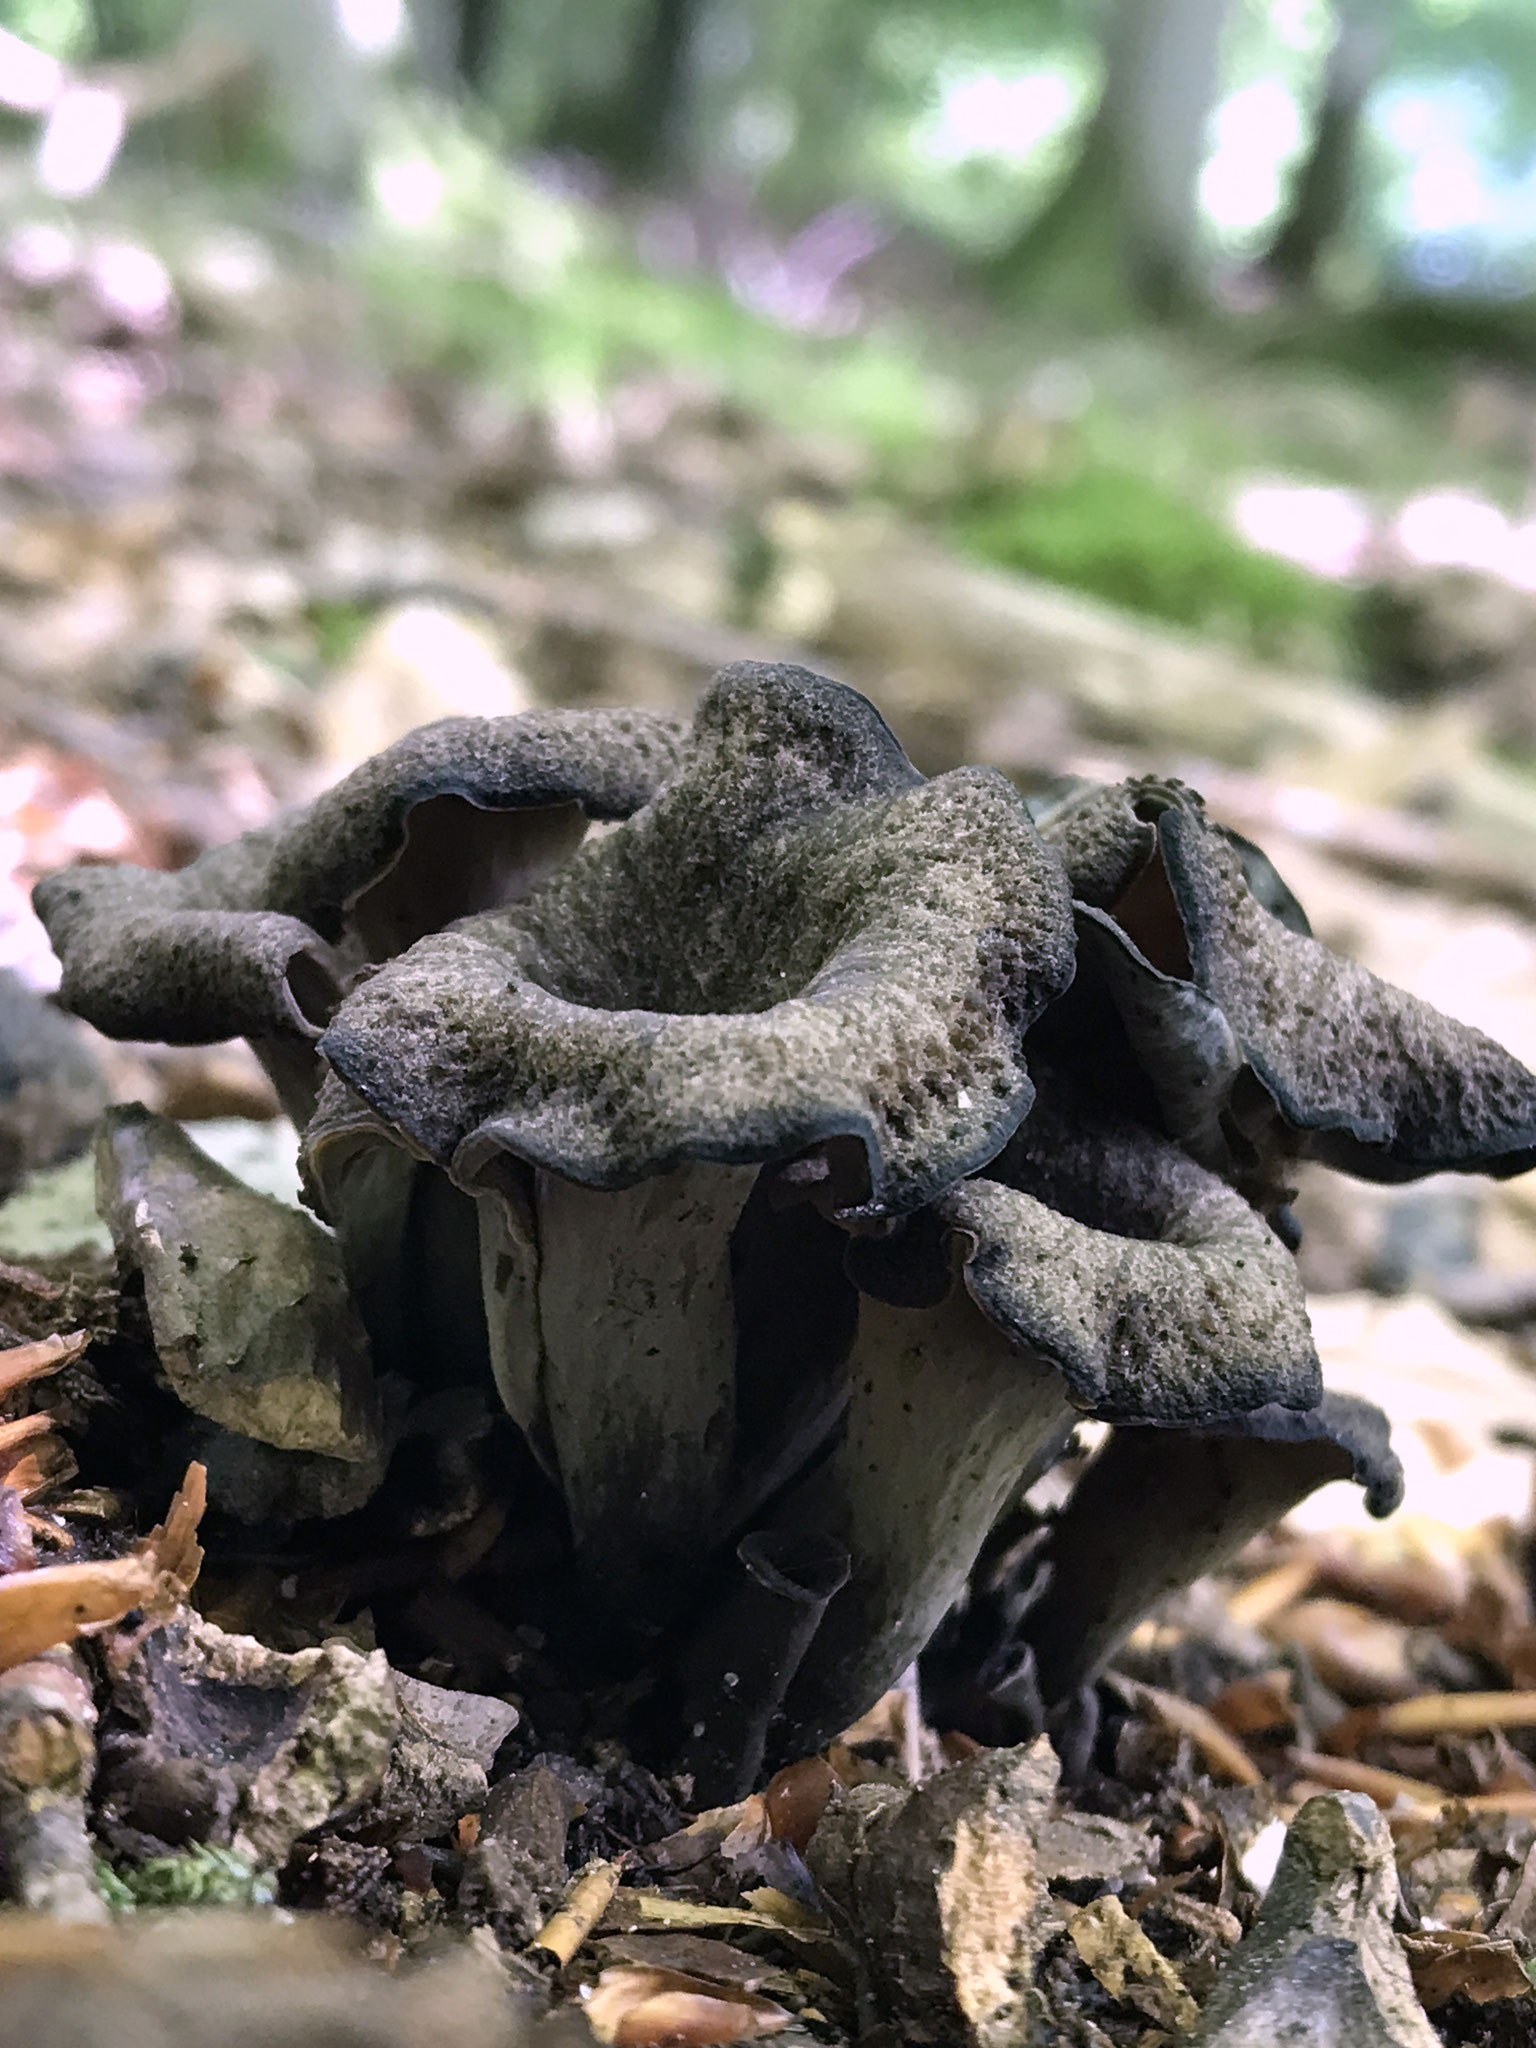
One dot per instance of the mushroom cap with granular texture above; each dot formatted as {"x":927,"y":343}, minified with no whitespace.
{"x":1244,"y":1020}
{"x":258,"y":937}
{"x":1157,"y":1293}
{"x":798,"y":941}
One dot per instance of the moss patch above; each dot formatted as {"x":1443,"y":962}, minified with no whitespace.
{"x":1121,"y":536}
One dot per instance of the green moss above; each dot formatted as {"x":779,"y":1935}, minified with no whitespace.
{"x":337,"y":629}
{"x":201,"y":1876}
{"x":1122,"y":537}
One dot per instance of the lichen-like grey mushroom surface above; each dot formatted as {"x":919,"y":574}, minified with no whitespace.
{"x":1153,"y":1289}
{"x":1218,"y":992}
{"x":259,"y":937}
{"x":798,"y":940}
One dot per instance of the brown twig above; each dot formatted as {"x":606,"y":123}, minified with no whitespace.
{"x":573,"y":1920}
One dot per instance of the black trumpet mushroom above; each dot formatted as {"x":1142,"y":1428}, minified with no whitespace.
{"x":802,"y":1155}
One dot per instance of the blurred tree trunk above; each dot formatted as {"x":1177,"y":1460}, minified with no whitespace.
{"x":636,"y":128}
{"x":456,"y":43}
{"x":479,"y":37}
{"x":117,"y":30}
{"x":1324,"y":184}
{"x":312,"y":99}
{"x":1122,"y":230}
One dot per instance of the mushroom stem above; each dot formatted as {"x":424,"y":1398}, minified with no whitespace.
{"x":738,"y":1668}
{"x":1155,"y":1510}
{"x":945,"y":1417}
{"x":638,"y":1329}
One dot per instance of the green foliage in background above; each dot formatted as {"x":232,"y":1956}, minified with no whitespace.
{"x":1120,"y":536}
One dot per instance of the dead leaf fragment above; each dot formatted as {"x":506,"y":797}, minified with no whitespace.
{"x":39,"y":1610}
{"x":636,"y":2006}
{"x":17,"y":1436}
{"x":1452,"y":1960}
{"x":173,"y":1547}
{"x":1360,"y":1655}
{"x":1220,"y":1752}
{"x":46,"y":1463}
{"x":57,"y":1604}
{"x":24,"y":1363}
{"x":632,"y":1909}
{"x":1124,"y":1959}
{"x":796,"y":1798}
{"x":1256,"y":1706}
{"x":1454,"y":1713}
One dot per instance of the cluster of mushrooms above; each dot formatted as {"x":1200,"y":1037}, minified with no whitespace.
{"x":803,"y":1147}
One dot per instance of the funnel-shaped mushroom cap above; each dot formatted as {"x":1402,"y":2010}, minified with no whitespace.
{"x":798,"y":941}
{"x":258,"y":937}
{"x":1257,"y":1040}
{"x":1152,"y":1288}
{"x":1157,"y":1508}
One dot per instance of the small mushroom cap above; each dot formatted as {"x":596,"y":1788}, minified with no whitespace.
{"x":1220,"y":992}
{"x":1157,"y":1508}
{"x":1356,"y":1428}
{"x":257,"y":937}
{"x":1159,"y":1295}
{"x":798,"y":941}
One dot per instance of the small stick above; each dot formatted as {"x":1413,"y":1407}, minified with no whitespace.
{"x":1345,"y":1774}
{"x":26,"y":1362}
{"x":584,"y":1904}
{"x":47,"y":1760}
{"x":1264,"y":1598}
{"x":1432,"y":1713}
{"x":1520,"y":1804}
{"x":1221,"y":1751}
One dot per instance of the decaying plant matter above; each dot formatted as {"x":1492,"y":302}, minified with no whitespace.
{"x":801,"y":1156}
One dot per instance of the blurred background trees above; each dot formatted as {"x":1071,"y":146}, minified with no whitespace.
{"x":1081,"y":278}
{"x":1113,"y":155}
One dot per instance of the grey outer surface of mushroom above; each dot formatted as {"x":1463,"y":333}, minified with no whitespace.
{"x":1259,"y":1041}
{"x":1092,"y":1269}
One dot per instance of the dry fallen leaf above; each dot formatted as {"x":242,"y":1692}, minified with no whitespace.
{"x":635,"y":2006}
{"x":744,"y":1826}
{"x":47,"y":1462}
{"x":1457,"y":1713}
{"x":768,"y":1909}
{"x":1360,"y":1655}
{"x":41,"y":1609}
{"x":1123,"y":1958}
{"x":796,"y":1798}
{"x":1390,"y":1789}
{"x":1254,"y":1706}
{"x":21,"y":1434}
{"x":1451,"y":1961}
{"x":173,"y":1546}
{"x":1220,"y":1752}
